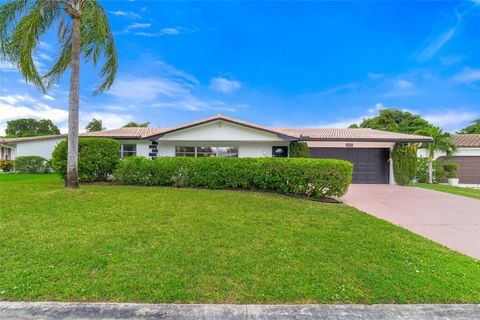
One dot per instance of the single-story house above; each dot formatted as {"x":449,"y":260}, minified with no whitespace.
{"x":222,"y":136}
{"x":467,"y":157}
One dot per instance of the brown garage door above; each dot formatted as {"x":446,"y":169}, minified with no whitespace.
{"x":370,"y":165}
{"x":469,"y":168}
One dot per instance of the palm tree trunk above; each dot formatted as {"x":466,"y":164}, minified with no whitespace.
{"x":73,"y":109}
{"x":430,"y":170}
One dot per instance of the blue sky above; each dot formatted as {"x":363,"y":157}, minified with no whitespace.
{"x":289,"y":64}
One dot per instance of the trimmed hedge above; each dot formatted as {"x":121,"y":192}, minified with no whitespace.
{"x":316,"y":178}
{"x":299,"y":150}
{"x":404,"y":163}
{"x":97,"y":158}
{"x":32,"y":164}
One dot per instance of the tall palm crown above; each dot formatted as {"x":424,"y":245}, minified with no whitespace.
{"x":442,"y":141}
{"x":82,"y":29}
{"x":24,"y":22}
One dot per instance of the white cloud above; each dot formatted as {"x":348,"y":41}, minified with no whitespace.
{"x":145,"y":89}
{"x":135,"y":26}
{"x":24,"y":106}
{"x":451,"y":120}
{"x":171,"y":72}
{"x":7,"y":66}
{"x":45,"y":46}
{"x":400,"y":88}
{"x":44,"y":56}
{"x":468,"y":75}
{"x":162,"y":32}
{"x":127,"y":14}
{"x":109,"y":120}
{"x":404,"y":84}
{"x":224,"y":85}
{"x":168,"y":92}
{"x":169,"y":31}
{"x":48,"y":97}
{"x":436,"y":44}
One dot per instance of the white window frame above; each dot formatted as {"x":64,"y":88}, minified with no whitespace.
{"x":133,"y":153}
{"x":213,"y":147}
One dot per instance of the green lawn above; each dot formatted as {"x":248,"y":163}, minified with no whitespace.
{"x":151,"y":244}
{"x":467,"y":192}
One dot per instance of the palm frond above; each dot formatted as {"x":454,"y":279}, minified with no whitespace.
{"x":98,"y":43}
{"x":9,"y":13}
{"x":25,"y":38}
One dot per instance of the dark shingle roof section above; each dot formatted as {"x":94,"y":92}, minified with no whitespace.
{"x":467,"y":140}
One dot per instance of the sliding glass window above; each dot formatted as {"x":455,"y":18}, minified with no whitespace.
{"x":231,"y":152}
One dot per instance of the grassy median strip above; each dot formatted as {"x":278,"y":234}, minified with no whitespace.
{"x":460,"y":191}
{"x":154,"y":244}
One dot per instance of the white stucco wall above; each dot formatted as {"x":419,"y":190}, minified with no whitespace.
{"x":220,"y":131}
{"x":464,"y":152}
{"x":142,"y":146}
{"x":42,"y":148}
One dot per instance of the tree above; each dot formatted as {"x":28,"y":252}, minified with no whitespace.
{"x":473,"y":128}
{"x":395,"y":121}
{"x":94,"y":125}
{"x":30,"y":128}
{"x":83,"y":28}
{"x":135,"y":124}
{"x":442,"y":142}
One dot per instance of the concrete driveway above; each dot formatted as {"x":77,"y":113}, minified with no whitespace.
{"x":448,"y":219}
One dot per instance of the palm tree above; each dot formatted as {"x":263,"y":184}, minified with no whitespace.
{"x":83,"y":28}
{"x":442,"y":142}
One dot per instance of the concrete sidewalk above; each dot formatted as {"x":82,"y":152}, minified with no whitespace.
{"x":79,"y":311}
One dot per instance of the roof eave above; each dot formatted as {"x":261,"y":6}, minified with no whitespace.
{"x":367,"y":140}
{"x":281,"y":135}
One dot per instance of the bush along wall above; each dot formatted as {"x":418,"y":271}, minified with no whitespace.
{"x":422,"y":171}
{"x":97,"y":158}
{"x":316,"y":178}
{"x":404,"y":158}
{"x":32,"y":164}
{"x":6,"y":165}
{"x":299,"y":150}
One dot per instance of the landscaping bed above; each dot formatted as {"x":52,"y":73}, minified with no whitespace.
{"x":155,"y":244}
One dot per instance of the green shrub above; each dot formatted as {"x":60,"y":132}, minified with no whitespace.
{"x":32,"y":164}
{"x":404,"y":163}
{"x":450,"y":169}
{"x":6,"y":165}
{"x":317,"y":178}
{"x":422,"y":171}
{"x":299,"y":150}
{"x":97,"y":158}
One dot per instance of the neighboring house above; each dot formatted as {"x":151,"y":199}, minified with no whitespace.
{"x":368,"y":149}
{"x":467,"y":157}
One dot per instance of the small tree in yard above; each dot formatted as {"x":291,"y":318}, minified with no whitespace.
{"x":442,"y":142}
{"x":83,"y":28}
{"x":94,"y":125}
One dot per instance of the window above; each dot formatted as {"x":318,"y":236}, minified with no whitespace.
{"x":229,"y":152}
{"x":185,"y":151}
{"x":281,"y":152}
{"x":128,"y":150}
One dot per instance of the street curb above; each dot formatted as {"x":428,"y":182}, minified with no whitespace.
{"x":107,"y":311}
